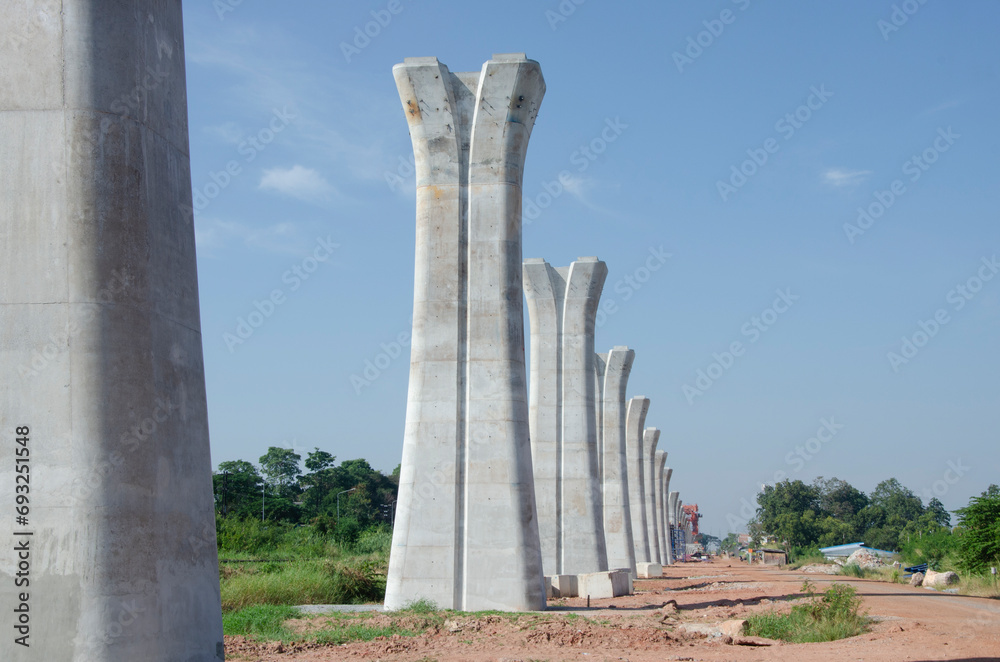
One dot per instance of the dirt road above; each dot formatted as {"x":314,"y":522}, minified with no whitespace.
{"x":912,"y":624}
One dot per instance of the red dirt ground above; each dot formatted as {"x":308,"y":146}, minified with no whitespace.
{"x":913,"y":624}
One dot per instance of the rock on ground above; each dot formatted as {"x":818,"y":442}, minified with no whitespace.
{"x":917,"y":579}
{"x":940,"y":579}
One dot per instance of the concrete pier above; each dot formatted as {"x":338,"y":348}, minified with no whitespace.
{"x":100,"y":342}
{"x":668,"y":554}
{"x":562,"y":305}
{"x":466,"y":534}
{"x":674,"y":523}
{"x":635,"y":419}
{"x":650,"y":438}
{"x":661,"y":511}
{"x":617,"y":365}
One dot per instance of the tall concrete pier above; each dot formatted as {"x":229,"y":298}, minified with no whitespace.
{"x":466,"y":534}
{"x":673,"y":501}
{"x":617,"y":366}
{"x":635,"y":419}
{"x":650,"y":438}
{"x":103,"y":387}
{"x":562,"y":305}
{"x":664,"y":492}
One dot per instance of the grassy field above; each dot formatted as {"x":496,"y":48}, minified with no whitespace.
{"x":282,"y":566}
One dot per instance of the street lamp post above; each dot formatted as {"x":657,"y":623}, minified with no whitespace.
{"x":338,"y":500}
{"x":262,"y":486}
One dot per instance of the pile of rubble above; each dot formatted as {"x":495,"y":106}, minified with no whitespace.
{"x":865,"y":559}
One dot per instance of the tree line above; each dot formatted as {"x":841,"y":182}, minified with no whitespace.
{"x":831,"y":512}
{"x":343,"y":498}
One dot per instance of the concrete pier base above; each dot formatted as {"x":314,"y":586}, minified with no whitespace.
{"x":649,"y":570}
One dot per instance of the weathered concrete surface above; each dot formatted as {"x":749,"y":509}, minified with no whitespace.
{"x":673,"y":501}
{"x":562,"y":305}
{"x":650,"y":438}
{"x":465,"y":534}
{"x":635,"y":419}
{"x":617,"y":365}
{"x":100,"y":339}
{"x":668,"y":557}
{"x":661,"y":507}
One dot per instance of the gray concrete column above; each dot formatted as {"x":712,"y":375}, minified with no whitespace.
{"x":100,"y":341}
{"x":650,"y":438}
{"x":665,"y":519}
{"x":600,"y":367}
{"x":635,"y":419}
{"x":617,"y":513}
{"x":565,"y":442}
{"x":661,"y":530}
{"x":674,"y":523}
{"x":466,"y":533}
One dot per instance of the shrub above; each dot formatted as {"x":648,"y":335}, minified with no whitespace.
{"x":834,"y":615}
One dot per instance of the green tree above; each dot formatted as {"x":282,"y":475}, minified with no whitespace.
{"x":839,"y":498}
{"x":237,"y":489}
{"x":789,"y":510}
{"x":937,"y":511}
{"x":318,"y":460}
{"x":979,"y":545}
{"x":280,"y":467}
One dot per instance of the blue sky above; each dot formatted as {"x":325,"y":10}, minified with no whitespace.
{"x":747,"y":136}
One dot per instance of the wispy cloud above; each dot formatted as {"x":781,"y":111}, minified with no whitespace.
{"x":839,"y":177}
{"x":298,"y":182}
{"x":945,"y":105}
{"x":212,"y":234}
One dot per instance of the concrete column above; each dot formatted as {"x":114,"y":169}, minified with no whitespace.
{"x":565,"y":444}
{"x":665,"y":518}
{"x":635,"y":419}
{"x":661,"y":531}
{"x":600,"y":367}
{"x":650,"y":438}
{"x":617,"y":514}
{"x":674,"y":524}
{"x":466,"y":534}
{"x":101,"y":360}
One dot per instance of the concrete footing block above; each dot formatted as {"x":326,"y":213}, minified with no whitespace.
{"x":562,"y":586}
{"x":610,"y":584}
{"x":649,"y":570}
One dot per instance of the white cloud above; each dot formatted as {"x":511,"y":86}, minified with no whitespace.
{"x":839,"y":177}
{"x":211,"y":234}
{"x":297,"y":182}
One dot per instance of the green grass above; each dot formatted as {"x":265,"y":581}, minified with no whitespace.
{"x":260,"y":622}
{"x":301,"y":582}
{"x":833,"y":615}
{"x":854,"y":570}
